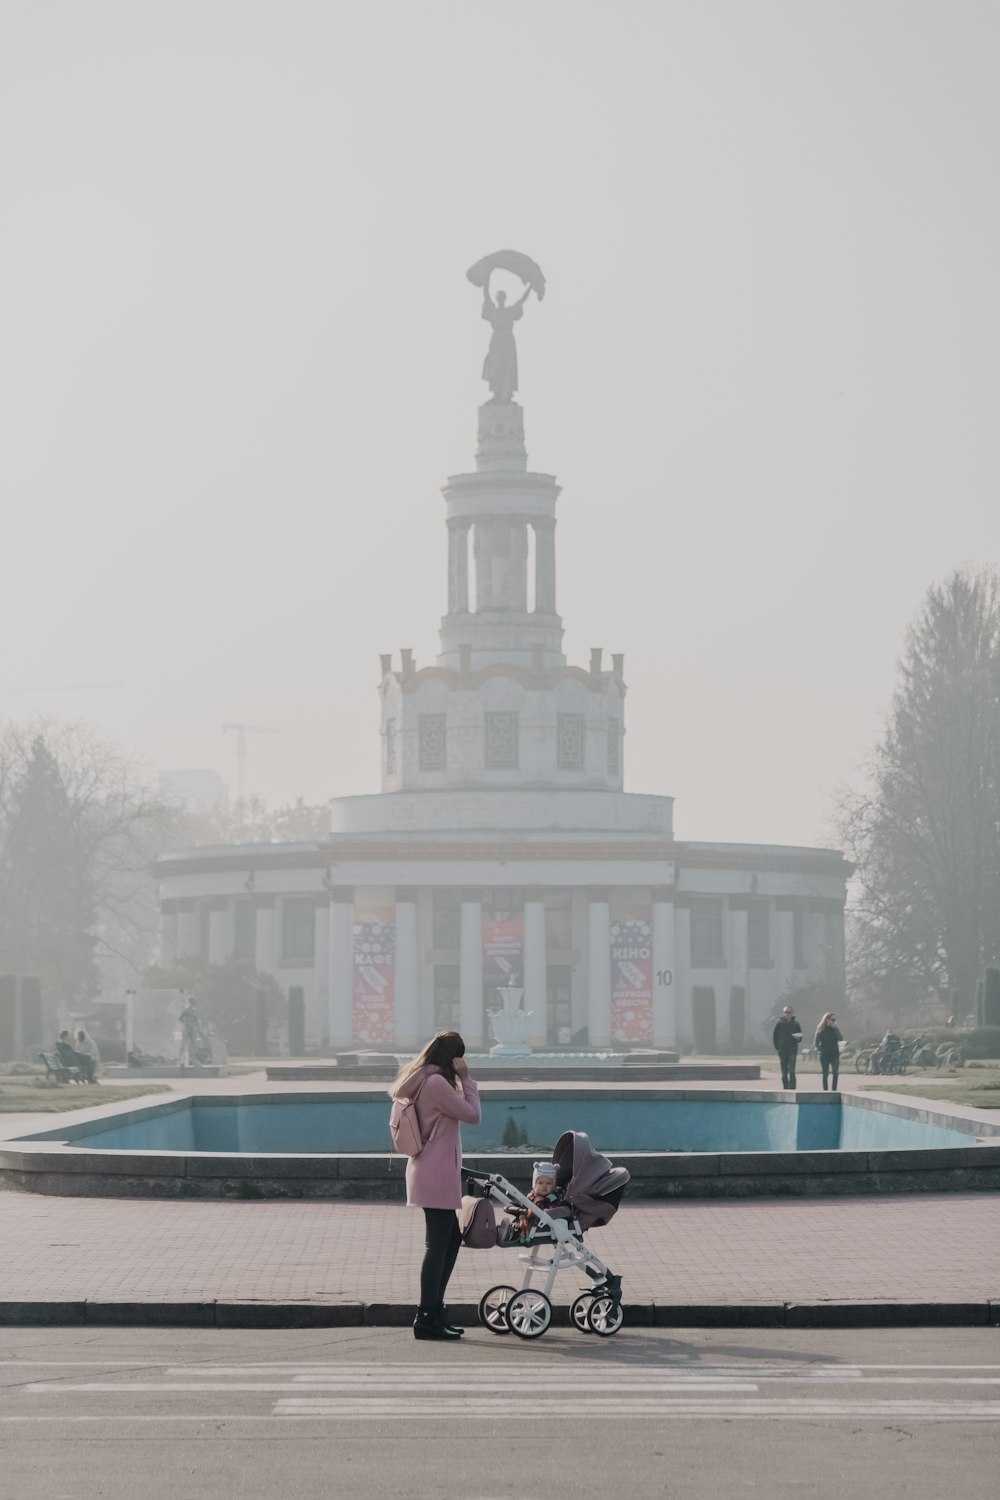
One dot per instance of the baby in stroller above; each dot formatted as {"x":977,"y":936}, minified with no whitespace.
{"x":578,"y":1189}
{"x":545,"y":1194}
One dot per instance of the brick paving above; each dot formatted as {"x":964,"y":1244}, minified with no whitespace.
{"x":914,"y":1248}
{"x":935,"y":1247}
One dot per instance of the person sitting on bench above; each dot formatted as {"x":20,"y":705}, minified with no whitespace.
{"x":70,"y":1058}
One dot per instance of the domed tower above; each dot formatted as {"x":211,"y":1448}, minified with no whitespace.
{"x":502,"y":707}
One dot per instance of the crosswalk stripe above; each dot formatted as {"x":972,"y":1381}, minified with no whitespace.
{"x":523,"y":1411}
{"x":62,"y":1388}
{"x":942,"y":1412}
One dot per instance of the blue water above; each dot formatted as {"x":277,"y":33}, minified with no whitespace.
{"x":307,"y":1126}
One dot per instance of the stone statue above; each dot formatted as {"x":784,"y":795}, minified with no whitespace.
{"x":500,"y":367}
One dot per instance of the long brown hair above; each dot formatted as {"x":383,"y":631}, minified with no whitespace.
{"x":440,"y":1052}
{"x":826,"y":1021}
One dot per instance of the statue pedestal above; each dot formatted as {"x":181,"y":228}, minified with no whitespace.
{"x":511,"y":1025}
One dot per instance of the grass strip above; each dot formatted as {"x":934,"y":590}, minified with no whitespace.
{"x":46,"y":1099}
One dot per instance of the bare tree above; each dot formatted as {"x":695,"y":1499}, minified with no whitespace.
{"x":250,"y":822}
{"x":77,"y":829}
{"x":925,"y":831}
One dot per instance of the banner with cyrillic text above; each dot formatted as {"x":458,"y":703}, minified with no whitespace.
{"x":631,"y":976}
{"x":374,"y":998}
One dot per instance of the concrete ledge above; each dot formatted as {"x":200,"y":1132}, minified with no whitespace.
{"x":141,"y":1314}
{"x":333,"y":1074}
{"x":381,"y":1179}
{"x":289,"y":1314}
{"x":151,"y":1314}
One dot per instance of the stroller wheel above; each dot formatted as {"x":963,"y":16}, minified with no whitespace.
{"x":528,"y":1314}
{"x":493,"y":1307}
{"x":605,"y":1316}
{"x":578,"y":1312}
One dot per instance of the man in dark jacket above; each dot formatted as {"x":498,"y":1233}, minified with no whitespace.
{"x":787,"y":1036}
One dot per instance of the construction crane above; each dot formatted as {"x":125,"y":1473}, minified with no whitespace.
{"x":241,"y":731}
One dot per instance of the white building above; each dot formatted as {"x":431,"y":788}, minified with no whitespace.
{"x":503,"y":846}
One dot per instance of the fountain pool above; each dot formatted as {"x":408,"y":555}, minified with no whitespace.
{"x":676,"y":1142}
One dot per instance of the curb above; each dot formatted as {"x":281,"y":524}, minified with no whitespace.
{"x":398,"y":1314}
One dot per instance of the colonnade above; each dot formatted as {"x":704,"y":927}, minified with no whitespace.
{"x":459,"y":529}
{"x":206,"y":926}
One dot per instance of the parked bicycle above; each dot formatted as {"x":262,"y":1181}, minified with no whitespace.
{"x":894,"y":1055}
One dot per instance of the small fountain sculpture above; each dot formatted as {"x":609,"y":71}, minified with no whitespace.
{"x":510,"y":1025}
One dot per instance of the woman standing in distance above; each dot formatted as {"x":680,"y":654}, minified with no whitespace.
{"x":828,"y":1040}
{"x":443,"y":1093}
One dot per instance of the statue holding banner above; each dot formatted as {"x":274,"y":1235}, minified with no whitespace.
{"x":500,"y":366}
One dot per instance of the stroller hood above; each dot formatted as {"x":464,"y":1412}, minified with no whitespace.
{"x":593,"y":1185}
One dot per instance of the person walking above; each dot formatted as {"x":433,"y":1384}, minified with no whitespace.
{"x":787,"y":1036}
{"x":443,"y":1095}
{"x":192,"y":1034}
{"x":828,"y":1044}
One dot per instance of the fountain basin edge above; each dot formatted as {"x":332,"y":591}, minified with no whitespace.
{"x":50,"y":1162}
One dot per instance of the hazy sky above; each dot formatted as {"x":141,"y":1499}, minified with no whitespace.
{"x":239,"y":357}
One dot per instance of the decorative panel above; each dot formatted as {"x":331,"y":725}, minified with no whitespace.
{"x":570,"y":733}
{"x":432,"y":742}
{"x":501,"y":741}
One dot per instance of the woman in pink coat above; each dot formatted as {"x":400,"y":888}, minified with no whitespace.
{"x":438,"y":1081}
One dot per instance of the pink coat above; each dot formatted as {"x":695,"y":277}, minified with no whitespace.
{"x":434,"y":1178}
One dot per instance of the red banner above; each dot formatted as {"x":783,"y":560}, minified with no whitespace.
{"x":631,"y":978}
{"x":503,"y":955}
{"x":374,"y":1000}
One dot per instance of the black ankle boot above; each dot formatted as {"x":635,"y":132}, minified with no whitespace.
{"x":441,"y":1314}
{"x":426,"y":1326}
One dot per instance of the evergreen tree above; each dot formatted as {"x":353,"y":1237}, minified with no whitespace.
{"x":926,"y":833}
{"x":47,"y":911}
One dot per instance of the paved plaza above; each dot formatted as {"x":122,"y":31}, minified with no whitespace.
{"x":363,"y":1257}
{"x":934,"y":1248}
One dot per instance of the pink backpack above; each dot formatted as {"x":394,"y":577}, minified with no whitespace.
{"x":404,"y":1127}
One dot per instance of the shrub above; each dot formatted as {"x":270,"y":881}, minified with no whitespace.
{"x":991,"y":999}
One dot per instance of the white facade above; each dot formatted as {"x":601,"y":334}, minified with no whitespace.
{"x":503,"y":847}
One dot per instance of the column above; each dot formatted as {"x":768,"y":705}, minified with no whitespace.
{"x":739,"y":959}
{"x":406,"y":969}
{"x":318,"y":998}
{"x":664,"y":978}
{"x":536,"y":985}
{"x":482,"y":552}
{"x":545,"y":565}
{"x":682,"y":969}
{"x":599,"y":967}
{"x":266,"y":950}
{"x":340,"y":952}
{"x":220,"y":932}
{"x":784,"y":919}
{"x":458,"y":567}
{"x":425,"y":963}
{"x":188,"y":929}
{"x":168,"y":937}
{"x":470,"y":973}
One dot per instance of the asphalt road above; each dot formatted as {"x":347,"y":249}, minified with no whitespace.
{"x":147,"y":1414}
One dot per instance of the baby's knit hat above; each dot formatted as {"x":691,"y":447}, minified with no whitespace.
{"x":543,"y":1169}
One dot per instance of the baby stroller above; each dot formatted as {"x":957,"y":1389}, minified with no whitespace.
{"x":593,"y":1190}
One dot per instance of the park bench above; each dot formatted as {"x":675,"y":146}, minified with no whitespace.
{"x":61,"y":1072}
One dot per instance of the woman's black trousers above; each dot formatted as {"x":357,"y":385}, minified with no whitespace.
{"x":441,"y":1243}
